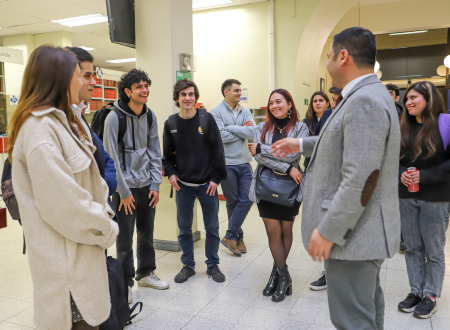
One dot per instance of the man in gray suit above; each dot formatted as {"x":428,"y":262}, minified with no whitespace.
{"x":351,"y":213}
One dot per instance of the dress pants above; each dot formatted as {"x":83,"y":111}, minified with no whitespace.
{"x":355,"y":297}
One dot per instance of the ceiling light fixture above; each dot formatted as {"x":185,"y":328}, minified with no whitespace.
{"x":86,"y":48}
{"x":447,"y":61}
{"x":82,"y":20}
{"x":209,"y":3}
{"x":410,"y":32}
{"x":124,"y":60}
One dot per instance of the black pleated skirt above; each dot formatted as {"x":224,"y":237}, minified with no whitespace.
{"x":278,"y":212}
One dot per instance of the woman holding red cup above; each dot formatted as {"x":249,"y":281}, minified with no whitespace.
{"x":424,"y":193}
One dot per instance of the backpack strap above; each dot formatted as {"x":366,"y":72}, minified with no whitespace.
{"x":203,"y":119}
{"x":121,"y":133}
{"x":172,"y":123}
{"x":149,"y":119}
{"x":132,"y":309}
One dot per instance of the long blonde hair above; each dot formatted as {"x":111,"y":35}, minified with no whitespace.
{"x":46,"y":83}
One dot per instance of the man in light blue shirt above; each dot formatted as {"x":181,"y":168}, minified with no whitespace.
{"x":236,"y":126}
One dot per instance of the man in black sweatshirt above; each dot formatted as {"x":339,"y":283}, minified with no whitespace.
{"x":194,"y":161}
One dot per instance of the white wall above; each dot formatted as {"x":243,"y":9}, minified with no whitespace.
{"x":233,"y":42}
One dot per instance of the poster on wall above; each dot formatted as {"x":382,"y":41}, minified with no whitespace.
{"x":244,"y":95}
{"x":108,"y":74}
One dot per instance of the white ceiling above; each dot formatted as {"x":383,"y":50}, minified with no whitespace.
{"x":35,"y":16}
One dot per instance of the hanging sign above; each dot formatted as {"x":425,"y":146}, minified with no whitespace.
{"x":184,"y":75}
{"x":244,"y":95}
{"x":9,"y":55}
{"x":108,"y":74}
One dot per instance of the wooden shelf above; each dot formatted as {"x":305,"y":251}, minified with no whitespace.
{"x":109,"y":87}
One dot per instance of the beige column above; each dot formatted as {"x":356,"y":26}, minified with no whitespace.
{"x":163,"y":31}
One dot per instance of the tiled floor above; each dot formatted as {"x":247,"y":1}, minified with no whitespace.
{"x":238,"y":303}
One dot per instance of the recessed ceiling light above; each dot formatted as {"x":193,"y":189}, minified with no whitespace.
{"x":86,"y":48}
{"x":82,"y":20}
{"x":124,"y":60}
{"x":209,"y":3}
{"x":410,"y":32}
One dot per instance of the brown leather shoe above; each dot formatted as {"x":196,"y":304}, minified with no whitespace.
{"x":241,"y":246}
{"x":230,"y":245}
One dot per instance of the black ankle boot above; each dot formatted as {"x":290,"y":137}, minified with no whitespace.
{"x":273,"y":282}
{"x":284,"y":284}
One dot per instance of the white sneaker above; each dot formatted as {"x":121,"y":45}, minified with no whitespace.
{"x":153,"y":281}
{"x":130,"y":296}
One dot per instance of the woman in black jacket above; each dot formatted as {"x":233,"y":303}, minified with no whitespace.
{"x":425,"y":213}
{"x":318,"y":104}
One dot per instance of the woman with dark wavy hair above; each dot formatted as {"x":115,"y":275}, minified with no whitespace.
{"x":424,"y":214}
{"x":282,"y":121}
{"x":318,"y":104}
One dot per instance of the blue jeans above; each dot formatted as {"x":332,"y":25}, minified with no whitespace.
{"x":185,"y":212}
{"x":423,"y":226}
{"x":235,"y":190}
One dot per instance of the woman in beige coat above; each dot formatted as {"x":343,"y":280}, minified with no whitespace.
{"x":62,"y":197}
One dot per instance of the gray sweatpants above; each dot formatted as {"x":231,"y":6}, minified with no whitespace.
{"x":355,"y":297}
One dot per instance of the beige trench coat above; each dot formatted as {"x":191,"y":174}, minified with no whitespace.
{"x":66,"y":221}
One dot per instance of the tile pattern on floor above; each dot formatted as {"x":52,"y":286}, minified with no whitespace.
{"x":237,"y":303}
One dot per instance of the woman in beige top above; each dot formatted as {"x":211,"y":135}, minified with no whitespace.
{"x":61,"y":196}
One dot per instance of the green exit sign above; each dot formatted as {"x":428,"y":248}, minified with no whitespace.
{"x":306,"y":102}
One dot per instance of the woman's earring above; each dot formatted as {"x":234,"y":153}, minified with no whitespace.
{"x":290,"y":112}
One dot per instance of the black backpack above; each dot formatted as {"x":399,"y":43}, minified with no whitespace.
{"x":98,"y":125}
{"x":9,"y":196}
{"x":121,"y":314}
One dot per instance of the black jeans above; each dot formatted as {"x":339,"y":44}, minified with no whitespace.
{"x":144,"y":215}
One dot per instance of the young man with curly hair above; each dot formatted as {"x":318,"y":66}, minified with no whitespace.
{"x":194,"y":161}
{"x":139,"y":174}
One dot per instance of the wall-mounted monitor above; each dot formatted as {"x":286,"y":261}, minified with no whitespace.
{"x":121,"y":22}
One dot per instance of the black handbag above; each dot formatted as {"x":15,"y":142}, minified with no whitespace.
{"x":275,"y":187}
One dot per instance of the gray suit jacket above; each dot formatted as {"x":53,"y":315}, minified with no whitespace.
{"x":351,"y":192}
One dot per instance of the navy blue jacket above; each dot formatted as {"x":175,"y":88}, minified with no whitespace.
{"x":322,"y":121}
{"x":110,"y":170}
{"x":318,"y":128}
